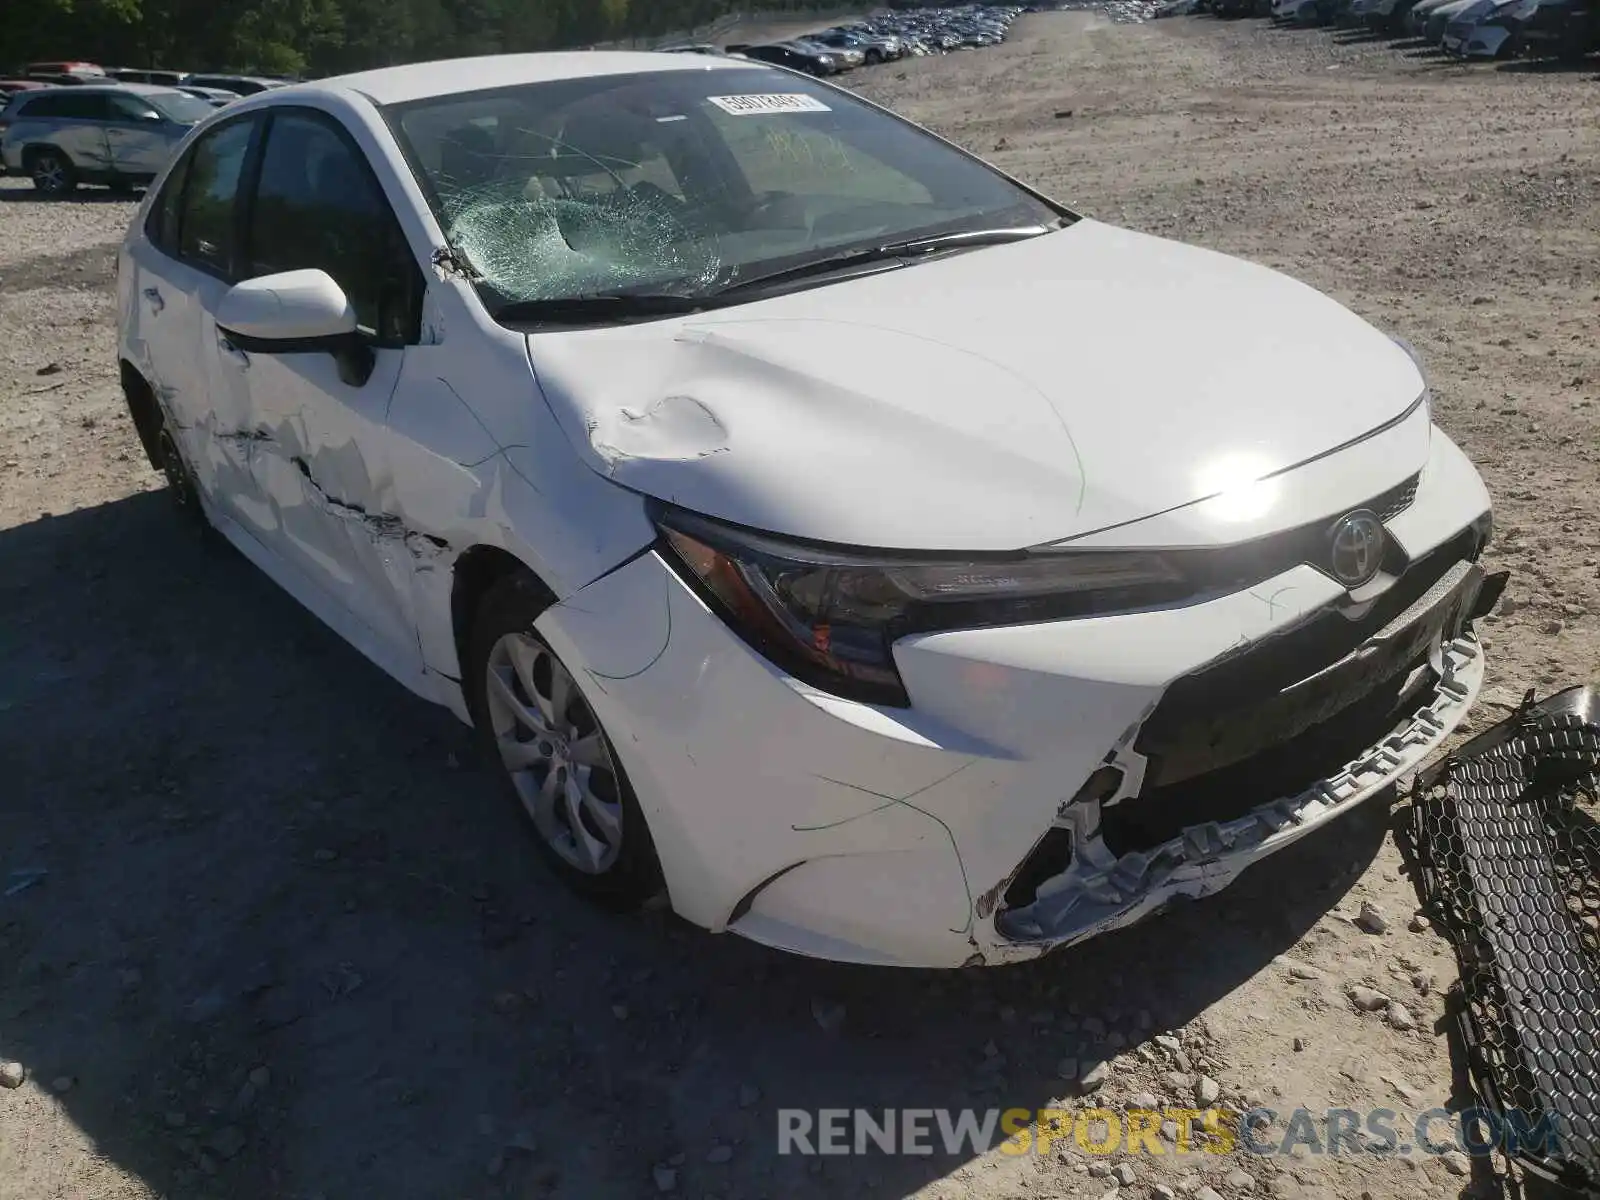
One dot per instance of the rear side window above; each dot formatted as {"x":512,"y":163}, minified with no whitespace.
{"x":318,"y":205}
{"x":84,"y":106}
{"x":210,"y":192}
{"x":162,"y":225}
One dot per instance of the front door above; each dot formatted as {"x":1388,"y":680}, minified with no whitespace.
{"x":138,"y":137}
{"x":321,"y":461}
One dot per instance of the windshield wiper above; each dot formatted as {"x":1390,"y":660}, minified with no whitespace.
{"x":862,"y":256}
{"x":598,"y":306}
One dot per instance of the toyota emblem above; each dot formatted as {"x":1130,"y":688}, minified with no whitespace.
{"x":1357,"y":548}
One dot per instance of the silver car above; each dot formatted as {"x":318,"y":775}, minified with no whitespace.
{"x":120,"y":135}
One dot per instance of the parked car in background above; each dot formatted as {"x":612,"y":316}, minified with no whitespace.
{"x":239,"y":85}
{"x":68,"y":71}
{"x":1567,"y":29}
{"x":1417,"y":15}
{"x":9,"y":86}
{"x":215,"y":96}
{"x":848,"y":57}
{"x":1460,"y":29}
{"x":874,"y":48}
{"x":1294,"y":12}
{"x":813,"y":60}
{"x":120,"y":135}
{"x":159,"y":78}
{"x":1499,"y":34}
{"x":1433,"y":29}
{"x":753,"y":487}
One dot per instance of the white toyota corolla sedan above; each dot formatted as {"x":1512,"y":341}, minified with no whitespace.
{"x":816,"y":524}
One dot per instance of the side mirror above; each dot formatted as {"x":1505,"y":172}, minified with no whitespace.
{"x":296,"y":312}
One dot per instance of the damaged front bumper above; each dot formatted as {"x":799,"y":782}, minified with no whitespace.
{"x":1434,"y":666}
{"x":1049,"y":782}
{"x":1102,"y":891}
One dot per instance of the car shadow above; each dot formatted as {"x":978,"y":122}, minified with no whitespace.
{"x":81,"y":195}
{"x":270,"y":932}
{"x":1550,"y":66}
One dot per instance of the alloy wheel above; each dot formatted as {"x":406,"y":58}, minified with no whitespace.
{"x":50,"y":173}
{"x":552,"y":748}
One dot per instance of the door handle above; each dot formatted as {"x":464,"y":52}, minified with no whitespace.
{"x":153,"y":295}
{"x":232,"y":351}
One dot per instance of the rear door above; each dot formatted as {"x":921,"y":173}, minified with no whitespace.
{"x":69,"y":121}
{"x":184,"y":265}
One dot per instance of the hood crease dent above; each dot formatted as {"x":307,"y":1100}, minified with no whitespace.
{"x":994,"y":400}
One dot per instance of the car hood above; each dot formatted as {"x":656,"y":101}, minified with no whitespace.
{"x":995,"y":399}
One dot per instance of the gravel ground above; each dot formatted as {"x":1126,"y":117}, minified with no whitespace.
{"x":286,"y":942}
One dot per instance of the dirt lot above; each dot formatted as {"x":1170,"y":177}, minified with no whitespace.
{"x":288,"y":942}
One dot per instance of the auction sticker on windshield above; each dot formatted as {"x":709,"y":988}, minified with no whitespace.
{"x":756,"y":106}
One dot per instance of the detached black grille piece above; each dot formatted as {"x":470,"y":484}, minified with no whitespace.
{"x":1505,"y":839}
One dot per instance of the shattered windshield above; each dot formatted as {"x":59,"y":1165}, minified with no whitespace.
{"x":682,"y":182}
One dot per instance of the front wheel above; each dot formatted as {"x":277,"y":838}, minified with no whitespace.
{"x":553,"y":756}
{"x":52,"y":173}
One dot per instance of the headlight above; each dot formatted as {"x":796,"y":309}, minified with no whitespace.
{"x":831,"y":616}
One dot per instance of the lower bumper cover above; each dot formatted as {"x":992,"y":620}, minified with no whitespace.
{"x":1106,"y":885}
{"x":1103,"y":891}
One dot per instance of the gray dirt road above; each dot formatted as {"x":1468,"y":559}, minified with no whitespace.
{"x":289,"y":942}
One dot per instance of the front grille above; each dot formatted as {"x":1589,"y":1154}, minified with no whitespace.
{"x":1397,"y":499}
{"x":1230,"y":693}
{"x":1505,"y":840}
{"x":1271,"y":720}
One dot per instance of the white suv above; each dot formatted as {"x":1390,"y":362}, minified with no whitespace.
{"x":121,"y":135}
{"x":802,"y":510}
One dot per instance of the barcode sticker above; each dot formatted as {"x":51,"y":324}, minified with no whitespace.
{"x":760,"y":106}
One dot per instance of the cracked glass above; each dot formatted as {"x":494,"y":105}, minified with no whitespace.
{"x":682,"y":181}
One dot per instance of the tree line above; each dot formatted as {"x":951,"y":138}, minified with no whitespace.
{"x":325,"y":37}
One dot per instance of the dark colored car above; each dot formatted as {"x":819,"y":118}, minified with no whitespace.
{"x":796,"y":58}
{"x":1567,"y":29}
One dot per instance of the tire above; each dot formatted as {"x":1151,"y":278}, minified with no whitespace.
{"x":181,"y":483}
{"x":53,"y":173}
{"x":555,"y":761}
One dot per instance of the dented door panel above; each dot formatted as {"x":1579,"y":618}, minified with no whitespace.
{"x":320,"y":464}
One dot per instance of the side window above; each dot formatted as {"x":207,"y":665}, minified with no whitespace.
{"x":211,"y":187}
{"x":318,"y":205}
{"x":84,"y":106}
{"x":41,"y":106}
{"x":131,"y":108}
{"x":162,"y":225}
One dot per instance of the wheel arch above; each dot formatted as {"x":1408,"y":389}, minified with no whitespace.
{"x":143,"y":408}
{"x":476,"y":572}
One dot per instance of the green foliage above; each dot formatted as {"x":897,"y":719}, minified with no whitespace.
{"x":320,"y":37}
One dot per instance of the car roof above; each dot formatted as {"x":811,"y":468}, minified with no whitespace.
{"x":115,"y":87}
{"x":419,"y":81}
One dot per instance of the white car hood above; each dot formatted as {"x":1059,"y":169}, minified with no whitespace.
{"x":996,"y":399}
